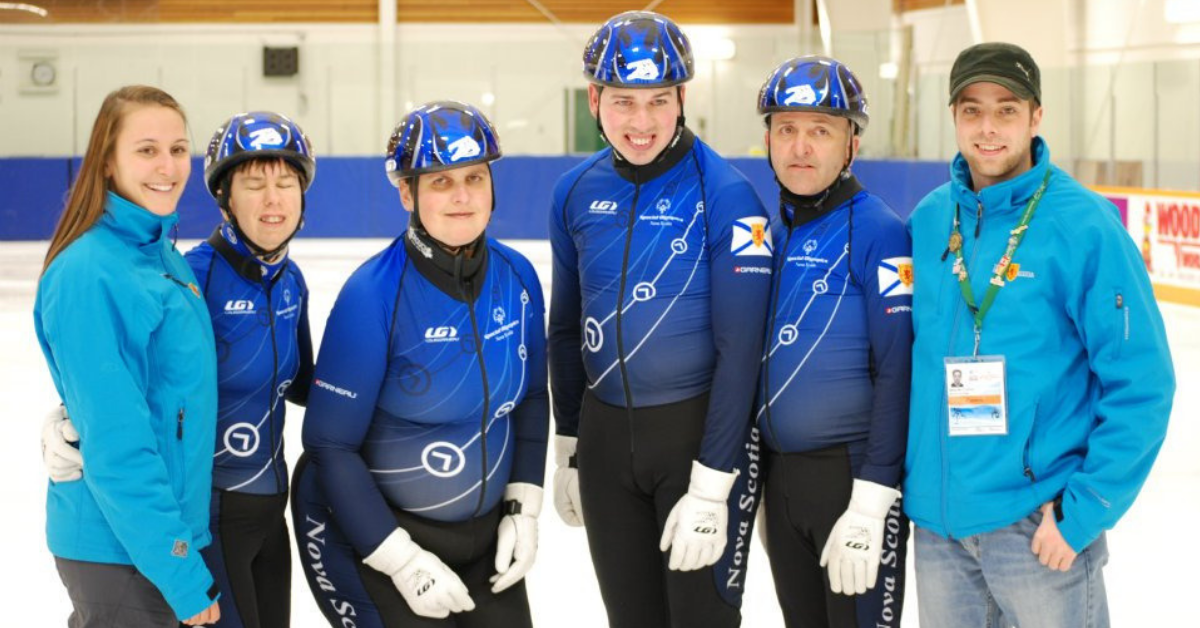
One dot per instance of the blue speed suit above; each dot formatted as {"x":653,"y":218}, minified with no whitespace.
{"x":259,"y":312}
{"x":661,"y":282}
{"x":429,"y":397}
{"x":833,"y":392}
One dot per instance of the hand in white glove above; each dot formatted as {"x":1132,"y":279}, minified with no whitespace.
{"x":854,"y":546}
{"x":63,"y":461}
{"x":517,"y":538}
{"x":695,"y":530}
{"x":566,"y":481}
{"x":426,"y":583}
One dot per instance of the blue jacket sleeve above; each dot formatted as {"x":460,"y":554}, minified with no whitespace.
{"x":297,"y":393}
{"x":1117,"y":316}
{"x":349,"y":372}
{"x":740,"y":284}
{"x":567,"y":376}
{"x":882,"y":263}
{"x":96,"y":335}
{"x":531,"y":419}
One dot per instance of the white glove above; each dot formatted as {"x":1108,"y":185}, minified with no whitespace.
{"x":695,"y":530}
{"x":517,"y":538}
{"x":853,"y":549}
{"x":63,"y":461}
{"x":566,"y":481}
{"x":426,"y":583}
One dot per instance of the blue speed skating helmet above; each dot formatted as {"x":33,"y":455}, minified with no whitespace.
{"x":817,"y":84}
{"x":258,"y":134}
{"x":638,"y":49}
{"x":438,"y":136}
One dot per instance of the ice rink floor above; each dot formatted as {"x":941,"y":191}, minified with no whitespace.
{"x":1151,"y":577}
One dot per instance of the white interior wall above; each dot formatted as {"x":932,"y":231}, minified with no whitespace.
{"x":215,"y":70}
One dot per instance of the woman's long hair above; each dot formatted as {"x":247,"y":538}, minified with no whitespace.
{"x":85,"y":204}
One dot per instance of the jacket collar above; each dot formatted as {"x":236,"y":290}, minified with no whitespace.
{"x":226,"y":243}
{"x":134,"y":223}
{"x":671,"y":155}
{"x":1005,"y":196}
{"x":795,"y":210}
{"x":457,"y":274}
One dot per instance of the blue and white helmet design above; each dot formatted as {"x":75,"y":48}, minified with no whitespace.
{"x":818,"y":84}
{"x":254,"y":135}
{"x":638,"y":49}
{"x":437,"y":136}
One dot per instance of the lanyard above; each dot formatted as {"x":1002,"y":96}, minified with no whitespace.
{"x":1001,"y":267}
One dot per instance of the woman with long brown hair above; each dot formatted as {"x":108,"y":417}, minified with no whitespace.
{"x":129,"y":344}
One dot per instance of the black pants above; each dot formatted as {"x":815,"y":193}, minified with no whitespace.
{"x":104,"y":595}
{"x":346,"y":590}
{"x":250,"y":558}
{"x":806,"y":493}
{"x":634,"y":465}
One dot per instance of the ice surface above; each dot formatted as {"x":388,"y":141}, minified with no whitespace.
{"x":1150,"y":577}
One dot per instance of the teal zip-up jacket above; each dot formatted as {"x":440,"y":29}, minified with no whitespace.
{"x":1089,"y":373}
{"x":129,"y":343}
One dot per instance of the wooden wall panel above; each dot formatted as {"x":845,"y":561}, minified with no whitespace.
{"x":343,"y":11}
{"x":596,"y":11}
{"x":899,"y":6}
{"x":204,"y":11}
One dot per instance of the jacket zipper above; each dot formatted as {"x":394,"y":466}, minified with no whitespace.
{"x":637,"y":188}
{"x":465,"y":291}
{"x":273,"y":394}
{"x":778,"y":279}
{"x":943,"y":433}
{"x":1025,"y":454}
{"x":179,"y":426}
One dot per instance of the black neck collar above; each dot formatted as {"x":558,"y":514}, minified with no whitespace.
{"x":459,"y":275}
{"x":671,"y":155}
{"x":247,"y":266}
{"x":807,"y":208}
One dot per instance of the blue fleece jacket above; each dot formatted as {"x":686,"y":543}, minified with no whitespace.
{"x":129,"y":343}
{"x":1089,"y":374}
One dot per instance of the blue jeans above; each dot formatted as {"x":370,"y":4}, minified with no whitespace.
{"x":993,"y":579}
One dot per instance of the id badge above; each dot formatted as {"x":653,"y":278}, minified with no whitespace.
{"x":975,"y":396}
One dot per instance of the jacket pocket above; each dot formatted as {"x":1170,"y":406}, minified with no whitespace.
{"x":178,"y":461}
{"x":1027,"y":452}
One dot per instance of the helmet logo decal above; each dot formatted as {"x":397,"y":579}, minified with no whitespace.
{"x":642,"y":70}
{"x":464,"y":148}
{"x":800,"y":95}
{"x":805,"y":94}
{"x":265,"y":137}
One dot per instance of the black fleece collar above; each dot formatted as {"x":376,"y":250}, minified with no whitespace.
{"x":671,"y":155}
{"x":796,"y":210}
{"x":459,"y":275}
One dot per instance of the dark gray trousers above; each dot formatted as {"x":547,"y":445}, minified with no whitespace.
{"x":112,"y":596}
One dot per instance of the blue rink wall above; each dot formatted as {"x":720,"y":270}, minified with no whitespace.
{"x":352,"y":198}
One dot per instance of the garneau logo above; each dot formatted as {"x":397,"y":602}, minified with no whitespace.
{"x":239,"y":306}
{"x":336,"y":390}
{"x":441,"y":334}
{"x":754,"y":270}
